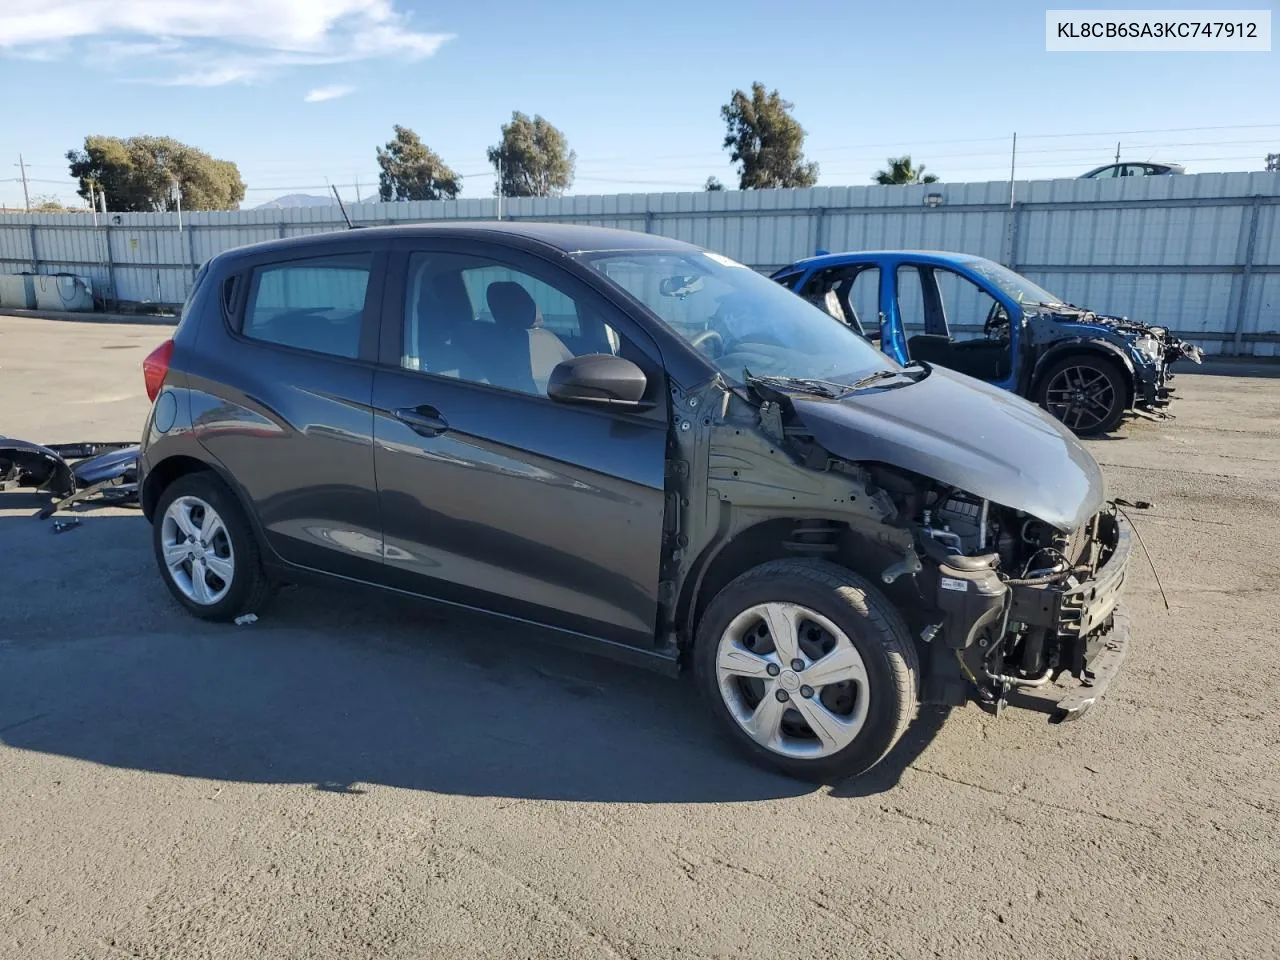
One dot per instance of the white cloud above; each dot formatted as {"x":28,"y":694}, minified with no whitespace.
{"x":321,"y":94}
{"x":208,"y":43}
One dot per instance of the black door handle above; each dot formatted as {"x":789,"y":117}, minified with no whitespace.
{"x":424,"y":420}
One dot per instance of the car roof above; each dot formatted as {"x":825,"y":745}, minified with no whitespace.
{"x":941,"y":257}
{"x":1136,"y":163}
{"x":565,"y":237}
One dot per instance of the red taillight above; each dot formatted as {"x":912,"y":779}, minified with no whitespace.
{"x":156,"y":367}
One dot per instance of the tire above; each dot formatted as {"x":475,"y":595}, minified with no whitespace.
{"x":234,"y":582}
{"x":863,"y":716}
{"x":1098,"y":376}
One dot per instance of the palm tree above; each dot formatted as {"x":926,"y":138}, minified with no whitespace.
{"x":901,"y":171}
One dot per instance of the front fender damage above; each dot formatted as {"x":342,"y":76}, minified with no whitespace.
{"x":1000,"y":600}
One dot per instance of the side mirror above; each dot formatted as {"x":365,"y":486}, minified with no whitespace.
{"x":600,"y":379}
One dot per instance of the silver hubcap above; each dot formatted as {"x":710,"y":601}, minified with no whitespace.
{"x":197,"y":550}
{"x":792,"y":680}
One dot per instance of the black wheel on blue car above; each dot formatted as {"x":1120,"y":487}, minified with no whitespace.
{"x":808,"y":668}
{"x":1087,"y":393}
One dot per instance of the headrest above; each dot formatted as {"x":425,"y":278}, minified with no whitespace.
{"x":511,"y":305}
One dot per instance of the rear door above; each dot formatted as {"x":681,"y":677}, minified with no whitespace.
{"x":281,"y":398}
{"x":850,"y":293}
{"x":493,"y":495}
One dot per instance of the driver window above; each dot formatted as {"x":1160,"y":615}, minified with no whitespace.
{"x":474,"y":319}
{"x":968,"y":307}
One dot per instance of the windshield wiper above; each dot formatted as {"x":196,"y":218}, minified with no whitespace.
{"x":879,"y":375}
{"x":823,"y":388}
{"x":830,"y":388}
{"x":871,"y":378}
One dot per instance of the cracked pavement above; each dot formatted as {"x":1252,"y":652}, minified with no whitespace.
{"x":360,"y":777}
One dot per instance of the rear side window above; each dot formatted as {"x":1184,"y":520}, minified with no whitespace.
{"x":315,"y":304}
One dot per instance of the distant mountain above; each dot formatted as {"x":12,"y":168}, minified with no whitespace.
{"x":296,"y":200}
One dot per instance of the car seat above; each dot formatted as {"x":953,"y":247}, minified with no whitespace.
{"x":521,"y":353}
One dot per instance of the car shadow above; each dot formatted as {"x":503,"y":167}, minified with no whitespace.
{"x":886,"y":775}
{"x":343,"y":690}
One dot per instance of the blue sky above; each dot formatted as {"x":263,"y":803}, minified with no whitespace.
{"x":635,"y":87}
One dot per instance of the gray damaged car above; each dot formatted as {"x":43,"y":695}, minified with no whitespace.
{"x":641,"y":448}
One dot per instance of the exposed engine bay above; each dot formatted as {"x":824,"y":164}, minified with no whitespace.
{"x":1015,"y":598}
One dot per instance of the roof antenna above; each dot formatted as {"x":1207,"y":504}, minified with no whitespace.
{"x":341,"y":205}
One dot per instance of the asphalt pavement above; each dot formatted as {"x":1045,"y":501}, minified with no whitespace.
{"x":355,"y":776}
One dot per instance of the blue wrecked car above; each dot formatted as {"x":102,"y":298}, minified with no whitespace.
{"x":974,"y":316}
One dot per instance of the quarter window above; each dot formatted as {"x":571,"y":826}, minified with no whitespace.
{"x":314,"y":304}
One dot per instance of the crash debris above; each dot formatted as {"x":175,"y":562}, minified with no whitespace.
{"x":71,"y":473}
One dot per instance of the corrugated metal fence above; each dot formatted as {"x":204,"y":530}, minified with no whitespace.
{"x":1198,"y":253}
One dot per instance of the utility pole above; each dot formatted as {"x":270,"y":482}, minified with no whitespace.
{"x":1013,"y":164}
{"x":1117,"y":151}
{"x":1011,"y":233}
{"x":499,"y":186}
{"x":26,"y":197}
{"x":356,"y":177}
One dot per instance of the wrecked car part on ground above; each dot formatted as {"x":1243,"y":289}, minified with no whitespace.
{"x":705,"y":473}
{"x":71,"y":472}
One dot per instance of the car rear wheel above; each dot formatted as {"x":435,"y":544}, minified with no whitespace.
{"x":1086,"y":393}
{"x":808,"y":668}
{"x":206,"y":550}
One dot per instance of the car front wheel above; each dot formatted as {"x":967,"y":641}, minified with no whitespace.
{"x":1086,"y":393}
{"x":808,"y":668}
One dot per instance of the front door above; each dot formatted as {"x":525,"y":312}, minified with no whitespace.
{"x":493,"y":495}
{"x":954,"y":322}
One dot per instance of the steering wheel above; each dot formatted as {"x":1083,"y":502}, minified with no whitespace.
{"x":996,"y":326}
{"x":706,"y":337}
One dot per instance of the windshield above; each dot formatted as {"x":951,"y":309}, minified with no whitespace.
{"x":1015,"y":285}
{"x":740,"y":320}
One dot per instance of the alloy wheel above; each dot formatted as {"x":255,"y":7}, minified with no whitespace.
{"x":1081,"y":397}
{"x":198,"y":554}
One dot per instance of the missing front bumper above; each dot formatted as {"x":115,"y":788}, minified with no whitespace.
{"x":1069,"y":635}
{"x":1112,"y":646}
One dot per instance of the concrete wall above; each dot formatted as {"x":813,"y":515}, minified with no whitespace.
{"x":1198,"y":253}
